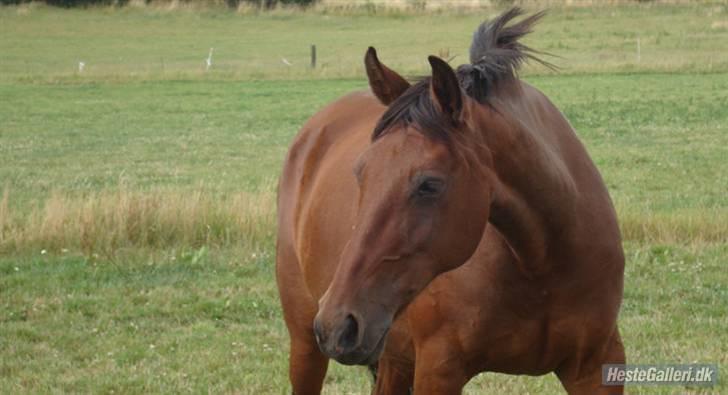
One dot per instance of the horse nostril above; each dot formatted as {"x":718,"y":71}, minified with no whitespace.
{"x":349,"y":334}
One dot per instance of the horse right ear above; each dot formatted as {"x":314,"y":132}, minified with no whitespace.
{"x":445,"y":88}
{"x":386,"y":84}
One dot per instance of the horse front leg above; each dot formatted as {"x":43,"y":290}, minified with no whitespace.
{"x":584,"y":377}
{"x":307,"y":366}
{"x":439,"y":370}
{"x":393,"y":377}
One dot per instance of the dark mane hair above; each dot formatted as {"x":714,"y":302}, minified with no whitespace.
{"x":414,"y":106}
{"x":495,"y":56}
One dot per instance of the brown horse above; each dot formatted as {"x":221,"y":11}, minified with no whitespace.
{"x":446,"y":228}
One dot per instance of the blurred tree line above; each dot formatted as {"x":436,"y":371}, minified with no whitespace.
{"x":229,"y":3}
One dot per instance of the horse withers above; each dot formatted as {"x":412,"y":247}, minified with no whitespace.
{"x":448,"y":227}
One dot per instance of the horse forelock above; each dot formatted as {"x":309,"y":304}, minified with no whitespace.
{"x":415,"y":108}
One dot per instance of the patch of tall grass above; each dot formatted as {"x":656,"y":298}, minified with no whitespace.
{"x":108,"y":221}
{"x":680,"y":227}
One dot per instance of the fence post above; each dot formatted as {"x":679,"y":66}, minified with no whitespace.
{"x":313,"y":56}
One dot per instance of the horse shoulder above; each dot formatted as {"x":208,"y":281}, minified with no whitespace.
{"x":317,"y":169}
{"x":308,"y":150}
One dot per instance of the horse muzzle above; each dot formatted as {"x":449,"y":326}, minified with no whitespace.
{"x":349,"y":340}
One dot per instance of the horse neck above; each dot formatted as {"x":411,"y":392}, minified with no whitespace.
{"x":533,"y":192}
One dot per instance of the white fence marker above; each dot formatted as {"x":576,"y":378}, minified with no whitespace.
{"x":639,"y":51}
{"x":208,"y":61}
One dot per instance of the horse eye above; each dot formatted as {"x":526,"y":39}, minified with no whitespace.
{"x":430,"y":188}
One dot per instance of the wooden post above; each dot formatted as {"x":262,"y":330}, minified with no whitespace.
{"x":313,"y":56}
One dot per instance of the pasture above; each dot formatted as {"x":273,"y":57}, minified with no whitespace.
{"x":138,"y":195}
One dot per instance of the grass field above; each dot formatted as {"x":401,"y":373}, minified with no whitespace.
{"x":137,"y":208}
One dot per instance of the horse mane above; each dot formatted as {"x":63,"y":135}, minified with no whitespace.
{"x":496,"y":55}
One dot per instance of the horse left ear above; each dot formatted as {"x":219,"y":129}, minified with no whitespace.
{"x":386,"y":84}
{"x":445,"y":88}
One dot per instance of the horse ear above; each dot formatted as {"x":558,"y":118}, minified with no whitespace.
{"x":386,"y":84}
{"x":445,"y":88}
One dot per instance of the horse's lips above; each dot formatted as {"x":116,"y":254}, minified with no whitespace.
{"x":372,"y":357}
{"x":377,"y":351}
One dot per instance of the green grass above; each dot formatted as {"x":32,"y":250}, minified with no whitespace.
{"x":136,"y":228}
{"x":82,"y":137}
{"x":40,"y":43}
{"x":656,"y":137}
{"x":201,"y":322}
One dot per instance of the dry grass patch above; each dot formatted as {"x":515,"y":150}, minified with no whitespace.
{"x":680,"y":227}
{"x":109,"y":220}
